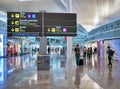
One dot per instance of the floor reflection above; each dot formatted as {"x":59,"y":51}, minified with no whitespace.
{"x":77,"y":77}
{"x":110,"y":77}
{"x":63,"y":74}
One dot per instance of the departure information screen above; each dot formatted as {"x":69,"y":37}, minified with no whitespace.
{"x":24,"y":24}
{"x":41,"y":24}
{"x":60,"y":24}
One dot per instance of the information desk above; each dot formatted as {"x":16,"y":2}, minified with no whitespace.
{"x":43,"y":62}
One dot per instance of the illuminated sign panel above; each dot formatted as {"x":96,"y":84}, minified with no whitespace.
{"x":1,"y":59}
{"x":24,"y":24}
{"x":41,"y":24}
{"x":1,"y":45}
{"x":1,"y":70}
{"x":60,"y":24}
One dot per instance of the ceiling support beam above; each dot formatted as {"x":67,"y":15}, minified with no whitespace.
{"x":63,"y":2}
{"x":69,"y":6}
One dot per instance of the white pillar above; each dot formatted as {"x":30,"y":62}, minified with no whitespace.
{"x":69,"y":62}
{"x":69,"y":50}
{"x":69,"y":39}
{"x":69,"y":5}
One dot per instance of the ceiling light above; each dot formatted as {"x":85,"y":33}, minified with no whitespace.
{"x":96,"y":20}
{"x":26,"y":0}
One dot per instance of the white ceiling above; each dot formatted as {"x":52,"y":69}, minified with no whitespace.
{"x":31,"y":5}
{"x":90,"y":13}
{"x":94,"y":13}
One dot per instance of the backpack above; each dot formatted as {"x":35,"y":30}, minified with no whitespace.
{"x":111,"y":52}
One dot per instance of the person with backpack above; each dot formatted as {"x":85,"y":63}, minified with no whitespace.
{"x":110,"y":53}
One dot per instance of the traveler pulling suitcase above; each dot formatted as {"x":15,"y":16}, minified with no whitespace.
{"x":81,"y":62}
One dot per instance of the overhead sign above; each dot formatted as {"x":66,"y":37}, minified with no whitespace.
{"x":41,"y":24}
{"x":24,"y":24}
{"x":60,"y":24}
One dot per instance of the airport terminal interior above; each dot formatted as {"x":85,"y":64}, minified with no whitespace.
{"x":59,"y":44}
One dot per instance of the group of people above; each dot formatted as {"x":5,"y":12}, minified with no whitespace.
{"x":52,"y":49}
{"x":87,"y":52}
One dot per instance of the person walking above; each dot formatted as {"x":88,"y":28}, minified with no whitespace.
{"x":95,"y":50}
{"x":91,"y":51}
{"x":84,"y":52}
{"x":49,"y":50}
{"x":110,"y":53}
{"x":88,"y":53}
{"x":88,"y":56}
{"x":77,"y":54}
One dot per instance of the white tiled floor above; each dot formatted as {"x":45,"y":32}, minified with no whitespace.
{"x":62,"y":75}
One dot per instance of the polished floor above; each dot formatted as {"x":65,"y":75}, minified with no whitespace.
{"x":64,"y":74}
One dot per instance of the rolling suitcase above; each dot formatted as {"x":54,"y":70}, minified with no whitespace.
{"x":81,"y":62}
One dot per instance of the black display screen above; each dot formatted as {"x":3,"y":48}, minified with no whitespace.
{"x":24,"y":23}
{"x":60,"y":24}
{"x":41,"y":24}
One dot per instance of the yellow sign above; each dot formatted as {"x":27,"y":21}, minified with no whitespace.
{"x":17,"y":15}
{"x":53,"y":29}
{"x":12,"y":22}
{"x":16,"y":22}
{"x":16,"y":29}
{"x":48,"y":29}
{"x":12,"y":15}
{"x":12,"y":29}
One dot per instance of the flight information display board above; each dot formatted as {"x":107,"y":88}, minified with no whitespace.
{"x":41,"y":24}
{"x":24,"y":24}
{"x":60,"y":24}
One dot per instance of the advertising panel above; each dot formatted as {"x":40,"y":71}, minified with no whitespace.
{"x":1,"y":70}
{"x":1,"y":45}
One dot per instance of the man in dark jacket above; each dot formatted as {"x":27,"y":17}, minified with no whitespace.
{"x":110,"y":53}
{"x":77,"y":53}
